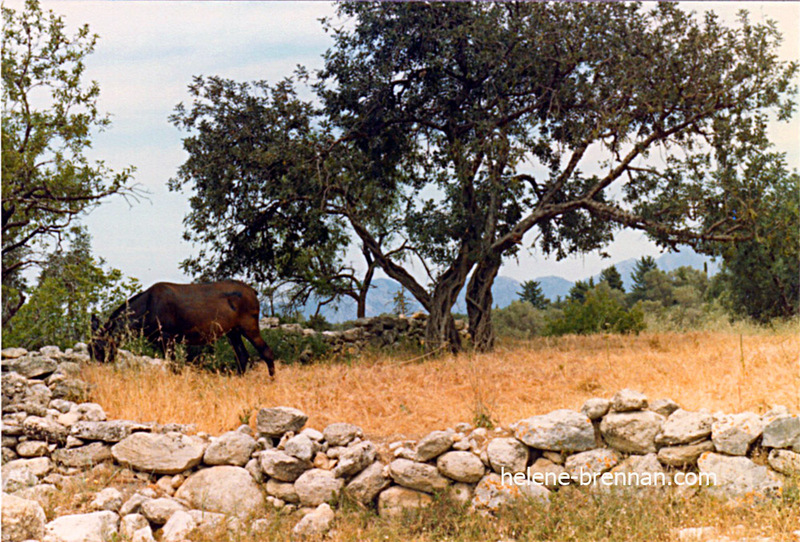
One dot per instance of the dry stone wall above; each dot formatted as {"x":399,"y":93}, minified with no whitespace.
{"x":231,"y":481}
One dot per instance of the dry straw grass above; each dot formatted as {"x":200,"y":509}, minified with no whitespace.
{"x":390,"y":396}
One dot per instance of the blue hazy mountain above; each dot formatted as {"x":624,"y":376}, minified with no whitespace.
{"x":381,"y":296}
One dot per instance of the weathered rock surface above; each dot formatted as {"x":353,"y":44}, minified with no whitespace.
{"x":433,"y":444}
{"x":365,"y":487}
{"x":109,"y":499}
{"x":738,"y":476}
{"x":315,"y":523}
{"x":492,"y":493}
{"x":461,"y":466}
{"x":685,"y":427}
{"x":83,"y":456}
{"x":169,"y":453}
{"x":276,"y":421}
{"x":93,"y":527}
{"x":22,"y":519}
{"x":684,"y":456}
{"x":595,"y":408}
{"x":281,"y":466}
{"x":302,"y":447}
{"x":733,"y":434}
{"x":507,"y":454}
{"x":284,"y":491}
{"x":587,"y":465}
{"x":160,"y":510}
{"x":415,"y":475}
{"x":782,"y":432}
{"x":224,"y":489}
{"x":231,"y":448}
{"x":395,"y":501}
{"x":354,"y":459}
{"x":107,"y":431}
{"x":631,"y":432}
{"x":560,"y":430}
{"x":785,"y":461}
{"x":341,"y":434}
{"x":317,"y":486}
{"x":628,"y":400}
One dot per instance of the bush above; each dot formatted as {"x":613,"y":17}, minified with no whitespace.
{"x":519,"y":320}
{"x":602,"y":310}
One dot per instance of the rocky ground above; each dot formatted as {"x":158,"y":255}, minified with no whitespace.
{"x":168,"y":481}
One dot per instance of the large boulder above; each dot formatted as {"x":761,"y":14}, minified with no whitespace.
{"x":560,"y":431}
{"x":22,"y":519}
{"x":223,"y":489}
{"x":169,"y":453}
{"x":415,"y":475}
{"x":631,"y":432}
{"x":94,"y":527}
{"x":317,"y":486}
{"x":276,"y":421}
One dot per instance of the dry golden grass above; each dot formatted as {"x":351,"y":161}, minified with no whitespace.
{"x":390,"y":396}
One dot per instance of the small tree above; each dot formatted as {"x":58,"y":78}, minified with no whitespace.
{"x":602,"y":310}
{"x":532,"y":293}
{"x":400,"y":302}
{"x":643,"y":266}
{"x":71,"y":286}
{"x":579,"y":289}
{"x":611,"y":276}
{"x":49,"y":116}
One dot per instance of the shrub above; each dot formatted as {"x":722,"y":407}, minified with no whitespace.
{"x":519,"y":320}
{"x":602,"y":310}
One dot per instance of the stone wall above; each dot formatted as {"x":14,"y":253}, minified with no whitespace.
{"x":376,"y":332}
{"x":229,"y":481}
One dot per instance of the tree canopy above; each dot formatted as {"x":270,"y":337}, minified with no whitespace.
{"x":49,"y":114}
{"x":442,"y":135}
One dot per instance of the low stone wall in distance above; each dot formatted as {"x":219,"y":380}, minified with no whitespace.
{"x":376,"y":332}
{"x":231,"y":481}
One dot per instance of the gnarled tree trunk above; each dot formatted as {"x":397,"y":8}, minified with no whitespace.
{"x":479,"y":303}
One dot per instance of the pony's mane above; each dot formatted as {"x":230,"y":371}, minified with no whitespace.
{"x":114,"y":317}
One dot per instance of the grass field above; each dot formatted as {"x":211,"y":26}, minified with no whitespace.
{"x":394,"y":395}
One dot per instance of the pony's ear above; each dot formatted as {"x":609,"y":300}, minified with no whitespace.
{"x":95,"y":323}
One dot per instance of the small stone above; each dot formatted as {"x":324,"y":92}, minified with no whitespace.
{"x":415,"y":475}
{"x":301,"y":446}
{"x":665,"y":407}
{"x":22,"y":519}
{"x":284,"y":491}
{"x":83,"y":456}
{"x":784,"y":461}
{"x":596,"y":408}
{"x":395,"y":501}
{"x":631,"y":432}
{"x":169,"y":453}
{"x":684,"y":427}
{"x":588,"y":465}
{"x":131,"y":523}
{"x":316,"y":523}
{"x":274,"y":422}
{"x":317,"y":486}
{"x":549,"y":474}
{"x":281,"y":466}
{"x":232,"y":448}
{"x":733,"y":434}
{"x":93,"y":527}
{"x":108,"y":499}
{"x":32,"y":448}
{"x":433,"y":445}
{"x":177,"y":528}
{"x":684,"y":456}
{"x":368,"y":483}
{"x":461,"y":466}
{"x":782,"y":432}
{"x":560,"y":430}
{"x":159,"y":510}
{"x":628,"y":400}
{"x":507,"y":454}
{"x":341,"y":434}
{"x":354,"y":459}
{"x":492,"y":493}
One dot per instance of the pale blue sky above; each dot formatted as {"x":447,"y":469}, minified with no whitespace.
{"x":148,"y":53}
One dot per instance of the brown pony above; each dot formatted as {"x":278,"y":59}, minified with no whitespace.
{"x":193,"y":314}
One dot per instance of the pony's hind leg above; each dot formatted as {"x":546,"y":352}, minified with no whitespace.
{"x":264,"y":351}
{"x":242,"y":358}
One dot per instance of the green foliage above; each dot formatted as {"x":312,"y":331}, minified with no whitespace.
{"x":295,"y":347}
{"x":519,"y":320}
{"x":640,"y":287}
{"x":611,"y":276}
{"x":579,"y":289}
{"x":71,"y":286}
{"x":532,"y":293}
{"x":400,"y":302}
{"x":603,"y":310}
{"x":762,"y":275}
{"x":49,"y":117}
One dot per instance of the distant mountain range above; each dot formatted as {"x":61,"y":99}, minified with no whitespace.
{"x":380,"y":299}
